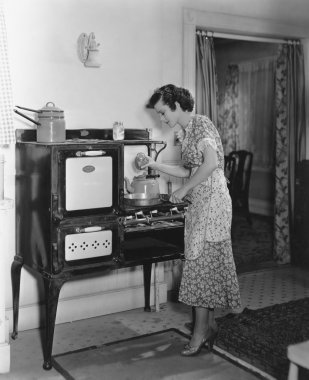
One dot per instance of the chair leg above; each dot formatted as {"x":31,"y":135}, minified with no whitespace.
{"x":247,"y":212}
{"x":293,"y":372}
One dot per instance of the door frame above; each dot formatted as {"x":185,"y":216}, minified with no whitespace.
{"x":238,"y":26}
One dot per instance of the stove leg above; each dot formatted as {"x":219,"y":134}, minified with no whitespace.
{"x":15,"y":278}
{"x":147,"y":283}
{"x":52,"y":291}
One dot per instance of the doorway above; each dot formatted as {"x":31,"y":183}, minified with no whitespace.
{"x":252,"y":99}
{"x":251,"y":55}
{"x":262,"y":30}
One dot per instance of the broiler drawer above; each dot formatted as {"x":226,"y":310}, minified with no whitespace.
{"x":94,"y":243}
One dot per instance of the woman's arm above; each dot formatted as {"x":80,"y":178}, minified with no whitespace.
{"x":203,"y":172}
{"x":174,"y":170}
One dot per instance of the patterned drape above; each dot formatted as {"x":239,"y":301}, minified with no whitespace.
{"x":206,"y":77}
{"x":296,"y":115}
{"x":290,"y":142}
{"x":228,"y":111}
{"x":281,"y":230}
{"x":7,"y":135}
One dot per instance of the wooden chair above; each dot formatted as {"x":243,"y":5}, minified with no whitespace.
{"x":229,"y":171}
{"x":298,"y":355}
{"x":241,"y":181}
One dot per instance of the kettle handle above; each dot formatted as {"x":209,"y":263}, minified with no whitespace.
{"x":26,"y":117}
{"x":28,"y":109}
{"x":47,"y":104}
{"x":153,"y":176}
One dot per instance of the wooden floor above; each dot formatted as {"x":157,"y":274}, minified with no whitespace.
{"x":258,"y":289}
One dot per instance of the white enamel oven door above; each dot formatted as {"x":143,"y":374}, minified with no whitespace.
{"x":88,"y":180}
{"x":88,"y":244}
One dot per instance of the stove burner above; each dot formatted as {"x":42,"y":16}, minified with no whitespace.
{"x":154,"y":218}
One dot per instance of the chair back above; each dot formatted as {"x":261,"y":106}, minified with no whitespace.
{"x":242,"y":171}
{"x":242,"y":178}
{"x":229,"y":170}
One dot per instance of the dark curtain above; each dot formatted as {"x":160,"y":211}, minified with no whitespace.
{"x":206,"y":77}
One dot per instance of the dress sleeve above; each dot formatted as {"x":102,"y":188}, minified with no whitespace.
{"x":205,"y":143}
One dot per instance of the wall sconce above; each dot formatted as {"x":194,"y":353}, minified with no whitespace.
{"x":87,"y":50}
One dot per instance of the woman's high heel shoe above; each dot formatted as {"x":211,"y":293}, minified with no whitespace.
{"x":192,"y":351}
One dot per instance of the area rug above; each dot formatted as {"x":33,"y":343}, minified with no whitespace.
{"x":260,"y":337}
{"x":151,"y":356}
{"x":252,"y":244}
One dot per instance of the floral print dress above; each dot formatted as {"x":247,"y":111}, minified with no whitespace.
{"x":209,"y":276}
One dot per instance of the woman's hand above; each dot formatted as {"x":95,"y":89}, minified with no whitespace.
{"x":178,"y":195}
{"x":151,"y":163}
{"x":180,"y":135}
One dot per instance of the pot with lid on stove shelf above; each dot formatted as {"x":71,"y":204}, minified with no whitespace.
{"x":50,"y":123}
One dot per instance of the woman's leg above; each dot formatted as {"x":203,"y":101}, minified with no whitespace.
{"x":190,"y":325}
{"x":212,"y":324}
{"x":205,"y":331}
{"x":212,"y":331}
{"x":205,"y":326}
{"x":200,"y":326}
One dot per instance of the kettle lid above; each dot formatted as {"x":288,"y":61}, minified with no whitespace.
{"x":50,"y":110}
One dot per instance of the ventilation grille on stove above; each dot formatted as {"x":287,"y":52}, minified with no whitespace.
{"x":87,"y":245}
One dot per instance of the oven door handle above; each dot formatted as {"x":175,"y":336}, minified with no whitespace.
{"x":90,"y":153}
{"x":88,"y":229}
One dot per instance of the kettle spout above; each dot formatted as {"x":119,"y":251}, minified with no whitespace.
{"x":128,"y":185}
{"x":26,"y":117}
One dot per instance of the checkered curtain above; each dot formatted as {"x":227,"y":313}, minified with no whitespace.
{"x":7,"y":134}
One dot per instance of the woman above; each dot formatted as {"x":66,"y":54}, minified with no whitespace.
{"x":209,"y":277}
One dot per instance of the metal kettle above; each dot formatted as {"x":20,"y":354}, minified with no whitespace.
{"x":146,"y":184}
{"x":50,"y":123}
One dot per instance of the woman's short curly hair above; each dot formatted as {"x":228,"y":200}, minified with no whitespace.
{"x":170,"y":94}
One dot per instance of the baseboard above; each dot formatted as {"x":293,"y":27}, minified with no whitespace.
{"x":258,"y":206}
{"x":5,"y":357}
{"x":92,"y":305}
{"x":7,"y":329}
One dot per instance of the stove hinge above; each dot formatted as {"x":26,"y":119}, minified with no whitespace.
{"x":56,"y":210}
{"x":57,"y":263}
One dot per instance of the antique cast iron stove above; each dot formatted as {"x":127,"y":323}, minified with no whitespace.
{"x":72,"y":219}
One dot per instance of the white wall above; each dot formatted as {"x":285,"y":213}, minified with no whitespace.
{"x":141,"y":49}
{"x":42,"y":37}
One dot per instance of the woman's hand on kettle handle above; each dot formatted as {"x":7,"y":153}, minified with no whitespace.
{"x":151,"y":163}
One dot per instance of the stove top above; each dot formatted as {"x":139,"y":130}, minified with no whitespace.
{"x":85,"y":141}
